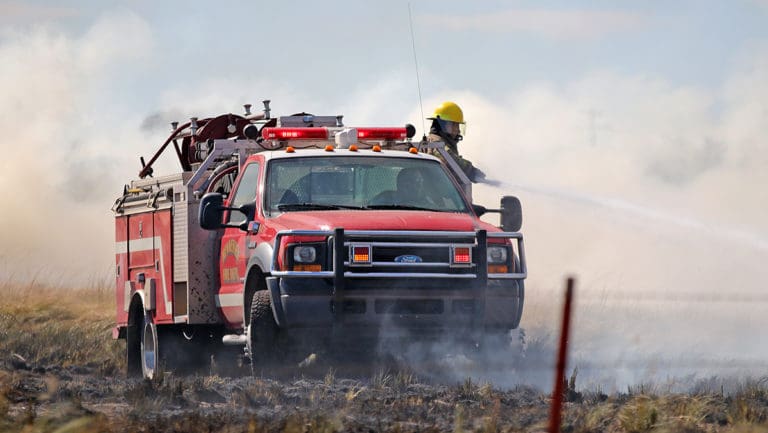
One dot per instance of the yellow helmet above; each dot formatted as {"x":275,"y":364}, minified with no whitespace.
{"x":448,"y":111}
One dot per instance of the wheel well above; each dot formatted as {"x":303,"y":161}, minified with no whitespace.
{"x":254,"y":282}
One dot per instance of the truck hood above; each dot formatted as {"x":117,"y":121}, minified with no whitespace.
{"x":377,"y":220}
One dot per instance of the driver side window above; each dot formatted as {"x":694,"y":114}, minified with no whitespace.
{"x":246,"y":191}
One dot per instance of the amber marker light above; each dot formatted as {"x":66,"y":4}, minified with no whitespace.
{"x":353,"y":148}
{"x":413,"y":150}
{"x":497,"y":269}
{"x":376,"y":148}
{"x":329,"y":148}
{"x":307,"y":268}
{"x":361,"y":254}
{"x":290,"y":149}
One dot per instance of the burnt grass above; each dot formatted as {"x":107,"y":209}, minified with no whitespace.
{"x":60,"y":371}
{"x":81,"y":399}
{"x":385,"y":402}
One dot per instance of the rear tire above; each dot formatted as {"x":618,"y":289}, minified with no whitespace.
{"x":149,"y":348}
{"x":133,"y":340}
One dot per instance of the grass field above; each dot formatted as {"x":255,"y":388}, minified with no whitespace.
{"x":60,"y":371}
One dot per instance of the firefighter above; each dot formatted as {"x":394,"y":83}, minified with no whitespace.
{"x":448,"y":126}
{"x":412,"y":190}
{"x":411,"y":187}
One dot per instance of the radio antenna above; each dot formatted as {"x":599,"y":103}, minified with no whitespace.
{"x":416,"y":62}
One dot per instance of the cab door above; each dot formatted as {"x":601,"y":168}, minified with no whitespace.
{"x":235,"y":253}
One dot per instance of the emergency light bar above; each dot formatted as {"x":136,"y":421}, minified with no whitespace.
{"x":382,"y":133}
{"x":324,"y":133}
{"x":304,"y":133}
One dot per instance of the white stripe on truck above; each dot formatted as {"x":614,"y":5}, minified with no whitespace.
{"x":229,"y":300}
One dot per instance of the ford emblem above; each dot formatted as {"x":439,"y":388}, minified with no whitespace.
{"x":408,"y":258}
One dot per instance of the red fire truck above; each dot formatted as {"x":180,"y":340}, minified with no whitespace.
{"x":281,"y":232}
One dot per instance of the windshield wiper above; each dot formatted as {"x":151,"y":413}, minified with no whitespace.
{"x":315,"y":206}
{"x":404,"y":207}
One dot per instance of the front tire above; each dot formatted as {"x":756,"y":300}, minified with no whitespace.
{"x":262,"y":330}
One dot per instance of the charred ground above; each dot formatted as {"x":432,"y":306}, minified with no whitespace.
{"x":60,"y":371}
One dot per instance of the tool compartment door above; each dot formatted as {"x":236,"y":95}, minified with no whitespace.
{"x":148,"y":252}
{"x":163,"y":264}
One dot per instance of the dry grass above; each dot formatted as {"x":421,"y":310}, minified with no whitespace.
{"x":70,"y":382}
{"x":53,"y":327}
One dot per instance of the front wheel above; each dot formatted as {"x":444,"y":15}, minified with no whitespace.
{"x":262,"y":330}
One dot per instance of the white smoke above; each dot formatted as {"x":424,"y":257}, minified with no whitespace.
{"x":637,"y":185}
{"x":63,"y":150}
{"x":653,"y":195}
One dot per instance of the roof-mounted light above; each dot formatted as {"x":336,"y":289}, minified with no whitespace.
{"x":299,"y":133}
{"x":375,"y":133}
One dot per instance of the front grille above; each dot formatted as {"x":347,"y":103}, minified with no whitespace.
{"x":410,"y":257}
{"x":427,"y":255}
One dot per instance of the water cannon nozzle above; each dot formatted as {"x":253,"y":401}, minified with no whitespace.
{"x":266,"y":108}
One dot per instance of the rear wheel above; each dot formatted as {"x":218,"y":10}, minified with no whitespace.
{"x":133,"y":340}
{"x":149,"y":348}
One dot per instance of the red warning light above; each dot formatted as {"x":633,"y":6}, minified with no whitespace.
{"x":388,"y":134}
{"x":294,"y":133}
{"x":462,"y":255}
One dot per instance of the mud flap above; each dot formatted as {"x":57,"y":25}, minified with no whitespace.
{"x":273,"y":285}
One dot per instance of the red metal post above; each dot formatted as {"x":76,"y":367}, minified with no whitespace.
{"x":557,"y":395}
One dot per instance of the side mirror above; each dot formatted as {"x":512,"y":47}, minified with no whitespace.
{"x":249,"y":210}
{"x":479,"y":209}
{"x":511,"y":214}
{"x":211,"y":211}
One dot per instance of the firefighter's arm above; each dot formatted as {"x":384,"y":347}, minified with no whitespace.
{"x":478,"y":176}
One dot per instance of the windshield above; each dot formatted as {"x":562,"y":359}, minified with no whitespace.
{"x":359,"y":182}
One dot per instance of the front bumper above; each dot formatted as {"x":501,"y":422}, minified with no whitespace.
{"x":311,"y":303}
{"x":407,"y":301}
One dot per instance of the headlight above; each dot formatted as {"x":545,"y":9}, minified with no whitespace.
{"x":497,"y":255}
{"x":304,"y":254}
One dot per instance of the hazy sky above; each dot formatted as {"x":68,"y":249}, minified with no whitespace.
{"x":638,"y":109}
{"x":634,"y":132}
{"x":320,"y":52}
